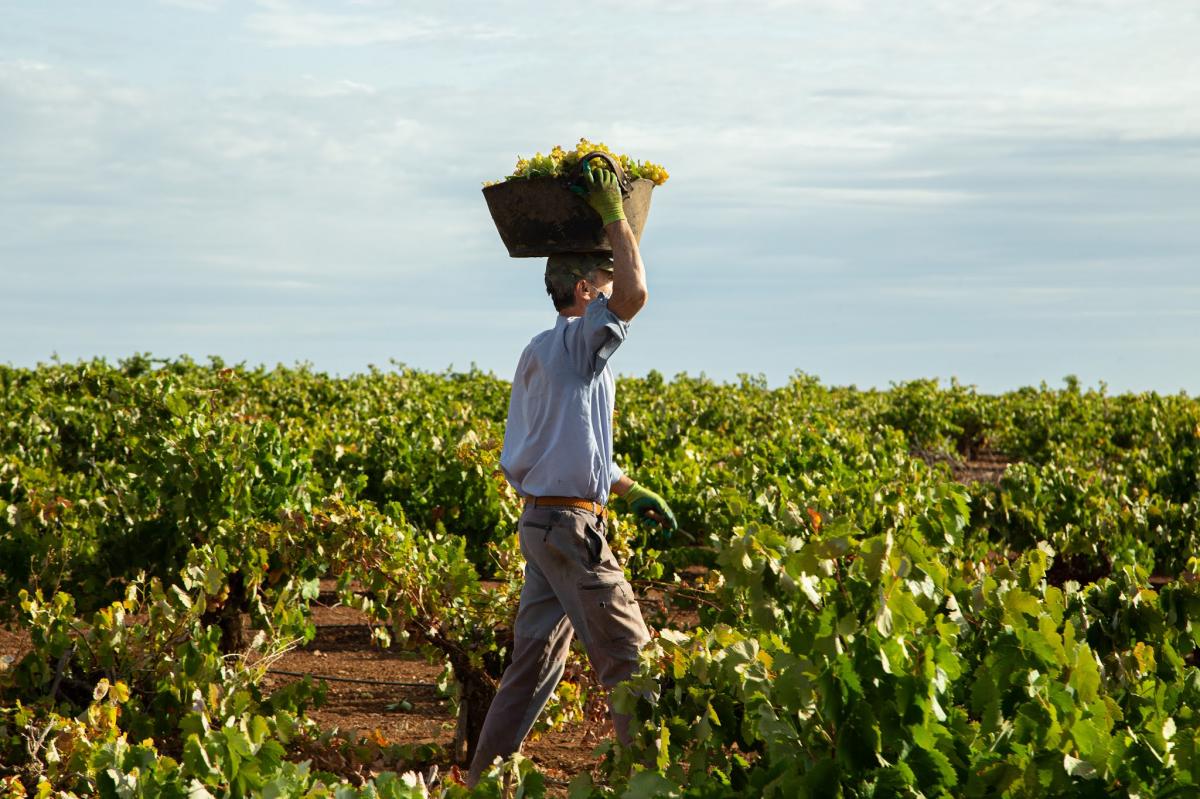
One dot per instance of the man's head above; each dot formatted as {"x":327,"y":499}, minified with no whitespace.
{"x":574,"y":279}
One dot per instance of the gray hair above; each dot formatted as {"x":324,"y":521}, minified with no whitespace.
{"x":564,"y":270}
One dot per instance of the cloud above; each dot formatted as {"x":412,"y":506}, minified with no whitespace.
{"x":281,"y":24}
{"x":842,"y":174}
{"x":830,"y":196}
{"x":195,"y":5}
{"x":290,"y":183}
{"x":321,"y":87}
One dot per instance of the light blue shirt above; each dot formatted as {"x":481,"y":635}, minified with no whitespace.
{"x":558,"y":441}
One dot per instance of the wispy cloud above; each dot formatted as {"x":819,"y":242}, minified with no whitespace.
{"x":846,"y":177}
{"x":280,"y":23}
{"x":321,"y":87}
{"x":828,"y":196}
{"x":195,"y":5}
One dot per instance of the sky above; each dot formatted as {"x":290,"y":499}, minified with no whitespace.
{"x":1002,"y":192}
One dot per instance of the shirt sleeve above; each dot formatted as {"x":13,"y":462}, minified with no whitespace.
{"x":595,"y":337}
{"x":614,"y":471}
{"x":514,"y":456}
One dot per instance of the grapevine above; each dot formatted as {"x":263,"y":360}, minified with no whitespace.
{"x":872,"y":614}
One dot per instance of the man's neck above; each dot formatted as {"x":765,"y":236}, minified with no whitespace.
{"x":574,"y":310}
{"x":580,"y":307}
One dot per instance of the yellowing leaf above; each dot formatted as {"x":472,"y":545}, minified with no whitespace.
{"x":1143,"y":653}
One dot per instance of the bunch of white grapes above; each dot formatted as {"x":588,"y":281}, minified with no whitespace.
{"x":560,"y":162}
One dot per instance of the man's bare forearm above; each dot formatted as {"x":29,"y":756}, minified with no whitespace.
{"x":621,"y":487}
{"x":629,"y":273}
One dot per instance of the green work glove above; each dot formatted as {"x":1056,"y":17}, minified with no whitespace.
{"x":644,"y":502}
{"x":603,"y":193}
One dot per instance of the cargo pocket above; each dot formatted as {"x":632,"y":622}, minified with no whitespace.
{"x":611,"y":612}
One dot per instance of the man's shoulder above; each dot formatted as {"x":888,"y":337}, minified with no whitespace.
{"x":537,"y":342}
{"x":535,"y":349}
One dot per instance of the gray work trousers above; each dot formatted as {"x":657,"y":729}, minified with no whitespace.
{"x":573,"y":584}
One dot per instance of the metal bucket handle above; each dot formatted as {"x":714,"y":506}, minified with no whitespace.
{"x":622,"y":179}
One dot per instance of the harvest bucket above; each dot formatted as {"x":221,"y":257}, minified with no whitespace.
{"x":541,"y":216}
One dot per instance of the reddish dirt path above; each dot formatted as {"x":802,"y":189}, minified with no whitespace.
{"x":985,"y":466}
{"x":13,"y":644}
{"x":415,"y":713}
{"x":342,"y":648}
{"x":408,"y":714}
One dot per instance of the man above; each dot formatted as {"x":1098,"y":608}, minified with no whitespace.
{"x":558,"y":456}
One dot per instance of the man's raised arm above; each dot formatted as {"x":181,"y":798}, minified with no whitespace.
{"x":629,"y":273}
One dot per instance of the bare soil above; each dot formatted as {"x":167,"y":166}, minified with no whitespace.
{"x":407,"y":714}
{"x":984,"y":466}
{"x":14,"y":644}
{"x":391,"y":697}
{"x":418,"y":713}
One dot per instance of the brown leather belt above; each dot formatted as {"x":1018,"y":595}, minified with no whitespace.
{"x":565,"y":502}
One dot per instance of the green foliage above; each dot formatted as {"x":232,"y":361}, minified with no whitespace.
{"x":840,"y":665}
{"x":867,"y":625}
